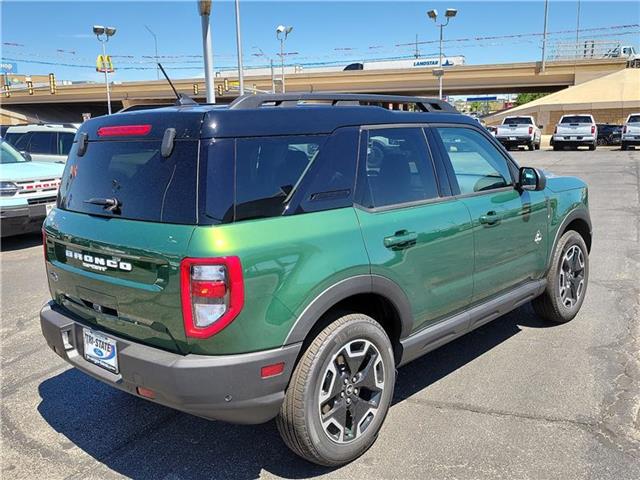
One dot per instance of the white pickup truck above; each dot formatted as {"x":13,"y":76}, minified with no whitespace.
{"x":631,"y":132}
{"x":516,"y":131}
{"x":574,"y":131}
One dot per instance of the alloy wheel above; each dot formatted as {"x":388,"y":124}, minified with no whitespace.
{"x":571,"y":276}
{"x":351,"y":390}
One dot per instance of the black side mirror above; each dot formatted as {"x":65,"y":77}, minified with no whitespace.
{"x":26,"y":155}
{"x":531,"y":179}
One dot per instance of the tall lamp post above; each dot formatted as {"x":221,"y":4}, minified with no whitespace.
{"x":544,"y":36}
{"x":155,"y":44}
{"x":204,"y":8}
{"x":103,"y":34}
{"x":239,"y":49}
{"x":433,"y":15}
{"x":282,"y":33}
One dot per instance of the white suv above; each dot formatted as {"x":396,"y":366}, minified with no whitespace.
{"x":45,"y":143}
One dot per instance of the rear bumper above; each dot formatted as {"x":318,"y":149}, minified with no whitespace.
{"x":22,"y":219}
{"x":226,"y":387}
{"x":515,"y":141}
{"x":578,"y":140}
{"x":631,"y":139}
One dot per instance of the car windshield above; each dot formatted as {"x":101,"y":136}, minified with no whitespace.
{"x":576,"y":119}
{"x":8,"y":154}
{"x":517,"y":121}
{"x":634,"y":119}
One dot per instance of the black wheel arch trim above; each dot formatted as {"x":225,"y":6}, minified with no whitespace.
{"x":576,"y":214}
{"x":360,"y":284}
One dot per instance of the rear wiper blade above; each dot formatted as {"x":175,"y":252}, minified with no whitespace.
{"x":111,"y":204}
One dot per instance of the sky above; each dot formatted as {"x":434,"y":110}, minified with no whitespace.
{"x":53,"y":36}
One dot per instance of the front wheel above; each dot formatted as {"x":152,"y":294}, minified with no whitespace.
{"x":566,"y":280}
{"x":340,"y":392}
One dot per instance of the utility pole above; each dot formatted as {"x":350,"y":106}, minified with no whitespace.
{"x":282,"y":33}
{"x":577,"y":28}
{"x":239,"y":49}
{"x":204,"y":8}
{"x":544,"y":35}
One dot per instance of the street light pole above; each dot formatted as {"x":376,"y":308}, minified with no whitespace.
{"x":282,"y":33}
{"x":544,"y":36}
{"x":204,"y":8}
{"x":239,"y":48}
{"x":155,"y":43}
{"x":440,"y":63}
{"x":433,"y":15}
{"x":103,"y":34}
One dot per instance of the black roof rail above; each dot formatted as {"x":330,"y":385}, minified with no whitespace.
{"x":338,"y":99}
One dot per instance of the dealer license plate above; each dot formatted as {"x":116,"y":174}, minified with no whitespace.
{"x":100,"y":350}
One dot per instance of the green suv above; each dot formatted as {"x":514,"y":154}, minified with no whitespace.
{"x":281,"y":257}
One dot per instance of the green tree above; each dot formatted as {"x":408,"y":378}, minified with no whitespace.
{"x":528,"y":97}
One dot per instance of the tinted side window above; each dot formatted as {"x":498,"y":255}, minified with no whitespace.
{"x":65,"y":140}
{"x":478,"y":165}
{"x":329,"y":182}
{"x":267,"y":169}
{"x":43,"y":142}
{"x":20,"y":141}
{"x":396,"y":168}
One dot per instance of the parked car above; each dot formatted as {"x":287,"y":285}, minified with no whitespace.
{"x":574,"y":131}
{"x":27,"y":191}
{"x":609,"y":134}
{"x":492,"y":130}
{"x":517,"y":131}
{"x":631,"y":132}
{"x":45,"y":143}
{"x":282,"y":256}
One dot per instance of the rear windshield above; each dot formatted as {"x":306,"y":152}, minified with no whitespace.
{"x":576,"y":119}
{"x":517,"y":121}
{"x":132,"y":180}
{"x":634,"y":119}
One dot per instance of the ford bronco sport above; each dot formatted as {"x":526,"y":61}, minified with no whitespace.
{"x":282,"y":256}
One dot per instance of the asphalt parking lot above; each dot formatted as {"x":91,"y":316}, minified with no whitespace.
{"x":517,"y":398}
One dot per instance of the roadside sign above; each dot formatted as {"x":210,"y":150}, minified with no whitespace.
{"x":8,"y":67}
{"x":104,"y":64}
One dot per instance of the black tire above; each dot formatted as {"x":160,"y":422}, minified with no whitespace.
{"x":538,"y":145}
{"x":624,"y":147}
{"x":592,"y":147}
{"x":551,"y":305}
{"x":557,"y":148}
{"x":299,"y":421}
{"x":531,"y":146}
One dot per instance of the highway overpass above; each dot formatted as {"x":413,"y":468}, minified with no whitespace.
{"x":70,"y":101}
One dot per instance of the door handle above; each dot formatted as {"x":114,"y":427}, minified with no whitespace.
{"x":490,"y":218}
{"x":400,"y":240}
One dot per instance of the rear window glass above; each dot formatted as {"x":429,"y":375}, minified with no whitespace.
{"x":43,"y":142}
{"x":576,"y":119}
{"x":517,"y":121}
{"x":634,"y":119}
{"x":136,"y":178}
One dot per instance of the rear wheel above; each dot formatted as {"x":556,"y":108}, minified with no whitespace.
{"x":340,"y":392}
{"x":557,"y":148}
{"x":592,"y":147}
{"x":531,"y":145}
{"x":538,"y":144}
{"x":566,"y":280}
{"x":624,"y":146}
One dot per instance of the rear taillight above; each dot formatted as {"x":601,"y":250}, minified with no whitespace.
{"x":555,"y":130}
{"x":212,"y":291}
{"x":530,"y":130}
{"x":124,"y":131}
{"x":624,"y":129}
{"x":593,"y":129}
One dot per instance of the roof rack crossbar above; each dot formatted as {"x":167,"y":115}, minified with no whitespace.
{"x":338,"y":99}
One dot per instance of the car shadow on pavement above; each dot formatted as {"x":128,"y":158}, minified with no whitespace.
{"x":143,"y":440}
{"x":19,"y":242}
